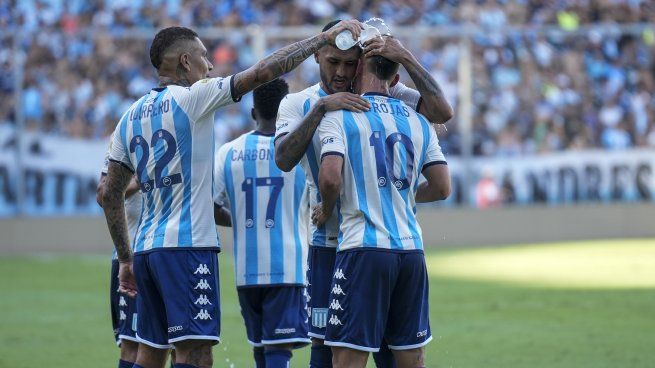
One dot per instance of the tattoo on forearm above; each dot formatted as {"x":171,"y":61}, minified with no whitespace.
{"x":280,"y":62}
{"x":114,"y":207}
{"x":294,"y":145}
{"x":424,"y":82}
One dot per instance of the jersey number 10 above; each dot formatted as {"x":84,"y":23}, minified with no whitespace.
{"x":160,"y":181}
{"x":384,"y":158}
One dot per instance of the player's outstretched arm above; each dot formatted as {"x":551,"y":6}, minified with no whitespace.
{"x":290,"y":148}
{"x":329,"y":184}
{"x":434,"y":105}
{"x":287,"y":58}
{"x":113,"y":200}
{"x":437,"y":185}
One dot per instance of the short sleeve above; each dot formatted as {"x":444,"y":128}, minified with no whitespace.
{"x":289,"y":115}
{"x":118,"y":150}
{"x":433,"y":155}
{"x":205,"y":96}
{"x":219,"y":176}
{"x":409,"y":96}
{"x":330,"y":131}
{"x":105,"y":164}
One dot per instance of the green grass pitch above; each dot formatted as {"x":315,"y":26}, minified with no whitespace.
{"x":589,"y":304}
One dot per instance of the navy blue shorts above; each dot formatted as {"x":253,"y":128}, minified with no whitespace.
{"x":319,"y":279}
{"x":123,"y":310}
{"x":376,"y":295}
{"x":178,"y":294}
{"x":275,"y":314}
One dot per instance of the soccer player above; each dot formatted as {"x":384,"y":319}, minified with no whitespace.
{"x":123,"y":307}
{"x":297,"y":141}
{"x":267,"y":207}
{"x":371,"y":163}
{"x":166,"y":138}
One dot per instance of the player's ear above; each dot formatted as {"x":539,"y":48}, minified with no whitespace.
{"x":184,"y":61}
{"x":395,"y":80}
{"x":316,"y":57}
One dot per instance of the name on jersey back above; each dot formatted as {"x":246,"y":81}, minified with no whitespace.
{"x":252,"y":154}
{"x":149,"y":110}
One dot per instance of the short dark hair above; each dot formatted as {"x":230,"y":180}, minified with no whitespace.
{"x":166,"y":38}
{"x":266,"y":98}
{"x":331,"y":24}
{"x":382,"y":67}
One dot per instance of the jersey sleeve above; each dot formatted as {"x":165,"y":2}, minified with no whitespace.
{"x":433,"y":155}
{"x":409,"y":96}
{"x":220,"y":195}
{"x":289,"y":115}
{"x":105,"y":164}
{"x":118,"y":150}
{"x":205,"y":96}
{"x":331,"y":133}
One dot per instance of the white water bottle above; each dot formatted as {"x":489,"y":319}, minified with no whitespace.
{"x":344,"y":40}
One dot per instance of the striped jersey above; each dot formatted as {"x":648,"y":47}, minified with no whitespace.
{"x":167,"y":139}
{"x":384,"y":150}
{"x":133,"y":207}
{"x":291,"y":112}
{"x":269,"y":211}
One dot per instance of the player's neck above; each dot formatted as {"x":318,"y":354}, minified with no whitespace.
{"x":373,"y":85}
{"x":266,"y":127}
{"x":166,"y":79}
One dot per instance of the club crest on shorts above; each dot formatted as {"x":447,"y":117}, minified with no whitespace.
{"x":319,"y":317}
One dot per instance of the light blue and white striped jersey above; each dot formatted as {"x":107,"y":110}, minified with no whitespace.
{"x":291,"y":112}
{"x":133,"y":208}
{"x":385,"y":150}
{"x":167,"y":138}
{"x":269,"y":210}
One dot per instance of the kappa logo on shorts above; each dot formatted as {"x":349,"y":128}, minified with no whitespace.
{"x":284,"y":331}
{"x":203,"y":315}
{"x":334,"y":321}
{"x":336,"y":290}
{"x":122,"y":316}
{"x":335,"y":305}
{"x":338,"y":274}
{"x":202,"y":300}
{"x":202,"y":269}
{"x":319,"y":317}
{"x":202,"y":285}
{"x":122,"y":302}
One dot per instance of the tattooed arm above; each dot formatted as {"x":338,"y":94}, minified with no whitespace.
{"x":290,"y":148}
{"x":287,"y":58}
{"x":433,"y":102}
{"x":113,"y":200}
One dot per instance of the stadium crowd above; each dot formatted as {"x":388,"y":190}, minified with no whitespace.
{"x":532,"y":92}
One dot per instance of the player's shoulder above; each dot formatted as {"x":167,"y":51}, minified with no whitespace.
{"x":300,"y":97}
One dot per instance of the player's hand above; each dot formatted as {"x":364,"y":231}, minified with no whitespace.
{"x":126,"y":280}
{"x":344,"y":101}
{"x":387,"y":46}
{"x":319,"y":216}
{"x":353,"y":25}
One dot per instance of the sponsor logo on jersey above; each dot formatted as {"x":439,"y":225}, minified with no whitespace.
{"x":338,"y":274}
{"x":336,"y":290}
{"x":203,"y":315}
{"x":202,"y":285}
{"x":334,"y":321}
{"x":202,"y":300}
{"x":319,"y":317}
{"x":202,"y":269}
{"x":284,"y":331}
{"x":335,"y":305}
{"x":174,"y":329}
